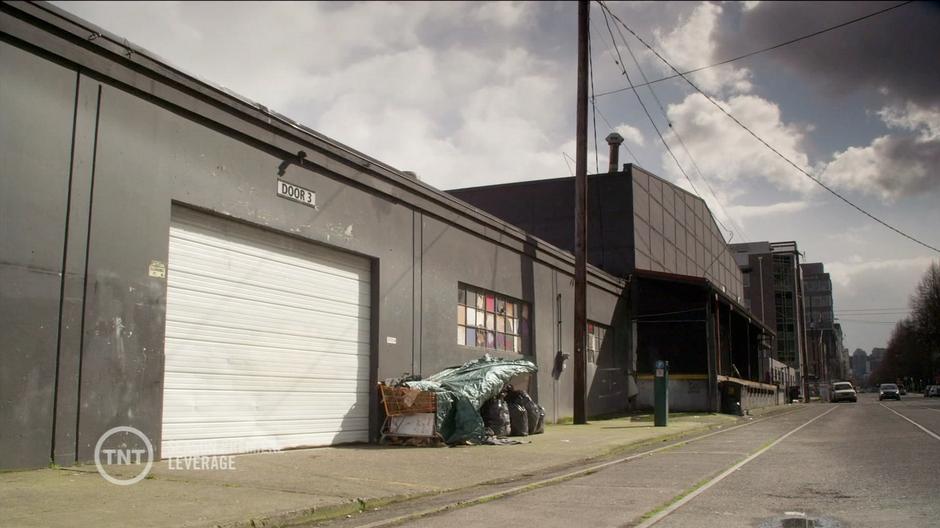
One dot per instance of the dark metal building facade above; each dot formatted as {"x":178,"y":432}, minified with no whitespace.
{"x":686,"y":289}
{"x":102,"y":144}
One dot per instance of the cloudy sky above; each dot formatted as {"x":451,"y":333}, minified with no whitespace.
{"x":476,"y":93}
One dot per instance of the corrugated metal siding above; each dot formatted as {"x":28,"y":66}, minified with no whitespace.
{"x":267,"y":340}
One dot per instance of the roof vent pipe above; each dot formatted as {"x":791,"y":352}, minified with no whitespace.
{"x":614,"y":140}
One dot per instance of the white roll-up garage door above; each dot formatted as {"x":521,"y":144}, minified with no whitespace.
{"x":267,"y":340}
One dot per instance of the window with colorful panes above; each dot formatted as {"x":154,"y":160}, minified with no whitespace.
{"x":596,"y":333}
{"x":491,"y":321}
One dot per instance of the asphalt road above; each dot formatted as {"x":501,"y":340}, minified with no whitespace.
{"x":830,"y":465}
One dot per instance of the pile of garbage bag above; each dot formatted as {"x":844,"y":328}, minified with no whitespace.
{"x":512,"y":413}
{"x":475,"y":402}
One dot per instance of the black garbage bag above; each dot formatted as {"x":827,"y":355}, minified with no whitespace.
{"x":535,"y":414}
{"x":540,"y":423}
{"x":495,"y":414}
{"x":504,"y":417}
{"x":518,"y":419}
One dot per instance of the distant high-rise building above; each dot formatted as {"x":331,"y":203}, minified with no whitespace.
{"x":823,"y":335}
{"x":874,"y":360}
{"x":846,"y":359}
{"x":773,"y":289}
{"x":860,"y":368}
{"x":841,"y":368}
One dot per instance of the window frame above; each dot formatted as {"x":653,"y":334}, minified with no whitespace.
{"x":594,"y":344}
{"x":505,"y":320}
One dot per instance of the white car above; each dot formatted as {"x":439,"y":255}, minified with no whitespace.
{"x":889,"y":390}
{"x":843,"y":391}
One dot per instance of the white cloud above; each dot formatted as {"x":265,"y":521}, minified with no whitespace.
{"x":857,"y":272}
{"x":495,"y":107}
{"x":863,"y":282}
{"x":631,"y":134}
{"x":859,"y":237}
{"x":266,"y":51}
{"x":691,"y":44}
{"x":755,"y":211}
{"x":890,"y":168}
{"x":506,"y":14}
{"x":727,"y":154}
{"x":915,"y":118}
{"x":408,"y":83}
{"x":893,"y":165}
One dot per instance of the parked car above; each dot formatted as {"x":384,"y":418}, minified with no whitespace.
{"x":843,"y":391}
{"x":932,"y":391}
{"x":889,"y":391}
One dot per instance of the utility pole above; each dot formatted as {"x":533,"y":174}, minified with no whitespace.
{"x":580,"y":219}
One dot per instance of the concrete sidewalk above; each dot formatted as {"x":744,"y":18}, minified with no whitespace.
{"x":273,"y":489}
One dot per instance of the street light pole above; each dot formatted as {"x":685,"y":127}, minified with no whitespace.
{"x":760,"y":273}
{"x":801,"y":332}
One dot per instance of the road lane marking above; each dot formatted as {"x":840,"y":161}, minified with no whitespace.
{"x":702,"y":489}
{"x":413,"y":516}
{"x":922,"y":428}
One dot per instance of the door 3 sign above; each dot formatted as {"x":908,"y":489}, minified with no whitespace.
{"x":296,"y":193}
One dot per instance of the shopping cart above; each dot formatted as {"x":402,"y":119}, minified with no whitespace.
{"x":409,"y":414}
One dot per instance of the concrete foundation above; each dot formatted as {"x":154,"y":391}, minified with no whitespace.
{"x":685,"y":395}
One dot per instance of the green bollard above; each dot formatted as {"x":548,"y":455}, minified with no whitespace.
{"x":661,"y":394}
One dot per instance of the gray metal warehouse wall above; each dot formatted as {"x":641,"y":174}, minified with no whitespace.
{"x":452,"y":255}
{"x":676,"y":233}
{"x":95,"y":151}
{"x":546,"y":209}
{"x":37,"y":105}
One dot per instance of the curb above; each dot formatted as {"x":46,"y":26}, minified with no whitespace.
{"x":325,"y":513}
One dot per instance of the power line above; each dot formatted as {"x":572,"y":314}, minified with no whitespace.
{"x":565,"y":156}
{"x":669,"y":313}
{"x":623,"y":69}
{"x":675,"y":131}
{"x":653,"y":122}
{"x":597,"y":109}
{"x":718,"y":256}
{"x":672,"y":321}
{"x":752,"y":53}
{"x":597,"y":169}
{"x":760,"y":139}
